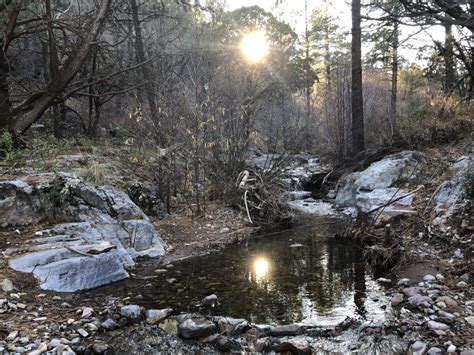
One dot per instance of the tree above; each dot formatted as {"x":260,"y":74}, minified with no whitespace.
{"x":19,"y":118}
{"x":357,"y":104}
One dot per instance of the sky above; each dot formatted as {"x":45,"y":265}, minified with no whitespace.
{"x":293,"y":13}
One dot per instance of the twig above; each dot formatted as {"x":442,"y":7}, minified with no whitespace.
{"x":78,"y":252}
{"x":247,"y":207}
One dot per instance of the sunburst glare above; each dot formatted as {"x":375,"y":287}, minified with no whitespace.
{"x":254,"y":46}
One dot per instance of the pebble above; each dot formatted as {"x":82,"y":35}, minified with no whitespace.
{"x":439,"y":277}
{"x":462,"y":284}
{"x":397,"y":299}
{"x":154,"y":316}
{"x":404,"y":282}
{"x":132,"y":312}
{"x":7,"y":285}
{"x":209,"y":300}
{"x":435,"y":350}
{"x":109,"y":324}
{"x":82,"y":333}
{"x":451,"y":348}
{"x":418,"y":348}
{"x":429,"y":278}
{"x":87,"y":312}
{"x":171,"y":280}
{"x":433,"y":325}
{"x":100,"y":348}
{"x":12,"y":335}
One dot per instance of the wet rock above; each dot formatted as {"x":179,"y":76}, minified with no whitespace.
{"x":132,"y":312}
{"x":7,"y":285}
{"x":287,"y":330}
{"x":433,"y":325}
{"x":154,"y":316}
{"x":210,"y":300}
{"x":231,"y":326}
{"x":109,"y":324}
{"x":418,"y":348}
{"x":196,"y":328}
{"x":294,"y":345}
{"x":397,"y":299}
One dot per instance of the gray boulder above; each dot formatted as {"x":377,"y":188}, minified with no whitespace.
{"x":132,"y":312}
{"x":194,"y":328}
{"x":379,"y":183}
{"x":105,"y":232}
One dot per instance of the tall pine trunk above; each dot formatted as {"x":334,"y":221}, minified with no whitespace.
{"x":357,"y":104}
{"x":394,"y":90}
{"x":449,"y":74}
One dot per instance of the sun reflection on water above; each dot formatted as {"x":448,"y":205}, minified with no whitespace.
{"x":261,"y":268}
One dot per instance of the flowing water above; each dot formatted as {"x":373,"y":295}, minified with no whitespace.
{"x":303,"y":275}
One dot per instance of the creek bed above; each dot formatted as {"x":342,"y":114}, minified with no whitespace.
{"x":304,"y":275}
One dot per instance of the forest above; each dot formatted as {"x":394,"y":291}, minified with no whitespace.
{"x":316,"y":153}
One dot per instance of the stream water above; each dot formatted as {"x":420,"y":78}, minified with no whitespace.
{"x":303,"y":275}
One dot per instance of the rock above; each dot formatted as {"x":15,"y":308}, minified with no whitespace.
{"x":450,"y":303}
{"x":375,"y":186}
{"x":397,"y":299}
{"x":87,"y":312}
{"x":99,"y":348}
{"x":12,"y":335}
{"x":467,"y":352}
{"x":403,"y":282}
{"x":7,"y":285}
{"x":132,"y":312}
{"x":286,"y":330}
{"x":383,"y":280}
{"x":429,"y":278}
{"x":435,"y":350}
{"x":54,"y":343}
{"x":83,"y":333}
{"x":294,"y":345}
{"x":451,"y":349}
{"x":42,"y":347}
{"x":411,"y":291}
{"x":225,"y":344}
{"x":107,"y":223}
{"x":462,"y":284}
{"x":419,"y":300}
{"x":196,"y":328}
{"x":418,"y":348}
{"x":171,"y":280}
{"x":210,"y":300}
{"x":154,"y":316}
{"x":261,"y":345}
{"x":109,"y":324}
{"x":231,"y":326}
{"x":433,"y":325}
{"x":439,"y":277}
{"x":470,"y":320}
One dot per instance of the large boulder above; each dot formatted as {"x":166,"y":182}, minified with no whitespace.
{"x":380,"y":183}
{"x":451,"y":195}
{"x":103,"y":234}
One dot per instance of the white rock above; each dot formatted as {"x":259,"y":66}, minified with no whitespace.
{"x":83,"y":333}
{"x":451,"y":348}
{"x":429,"y":278}
{"x":7,"y":285}
{"x":383,"y":280}
{"x":439,"y":277}
{"x":418,"y":348}
{"x":404,"y":282}
{"x":87,"y":312}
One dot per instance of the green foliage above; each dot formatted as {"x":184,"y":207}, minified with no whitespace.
{"x":7,"y":150}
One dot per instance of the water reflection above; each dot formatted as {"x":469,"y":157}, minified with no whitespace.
{"x":261,"y":269}
{"x":322,"y":281}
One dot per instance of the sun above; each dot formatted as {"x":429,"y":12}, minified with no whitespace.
{"x":254,"y":46}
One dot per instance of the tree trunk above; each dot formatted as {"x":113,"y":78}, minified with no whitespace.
{"x":394,"y":91}
{"x":449,"y":78}
{"x":358,"y":141}
{"x":6,"y":116}
{"x":141,"y":58}
{"x":34,"y":107}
